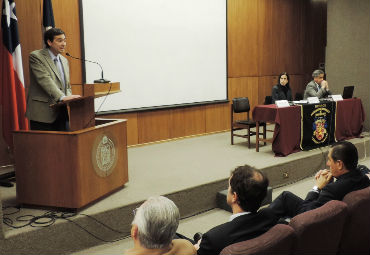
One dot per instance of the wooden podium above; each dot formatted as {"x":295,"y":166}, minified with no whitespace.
{"x":71,"y":169}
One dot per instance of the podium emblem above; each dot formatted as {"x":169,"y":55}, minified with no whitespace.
{"x":104,"y":155}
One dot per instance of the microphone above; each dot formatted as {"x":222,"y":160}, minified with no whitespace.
{"x":102,"y":80}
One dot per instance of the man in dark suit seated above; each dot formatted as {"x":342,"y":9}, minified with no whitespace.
{"x":343,"y":177}
{"x":318,"y":87}
{"x":247,"y":189}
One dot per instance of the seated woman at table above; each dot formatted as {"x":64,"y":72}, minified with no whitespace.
{"x":282,"y":91}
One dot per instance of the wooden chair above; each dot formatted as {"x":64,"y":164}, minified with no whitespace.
{"x":278,"y":240}
{"x":298,"y":96}
{"x":241,"y":105}
{"x":268,"y":100}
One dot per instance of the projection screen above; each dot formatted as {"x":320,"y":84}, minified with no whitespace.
{"x":163,"y":52}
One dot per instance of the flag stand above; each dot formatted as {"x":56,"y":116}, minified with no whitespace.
{"x":7,"y":176}
{"x":7,"y":179}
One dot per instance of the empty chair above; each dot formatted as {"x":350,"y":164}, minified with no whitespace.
{"x":356,"y":232}
{"x":268,"y":100}
{"x":319,"y":231}
{"x":241,"y":105}
{"x":298,"y":96}
{"x":278,"y":240}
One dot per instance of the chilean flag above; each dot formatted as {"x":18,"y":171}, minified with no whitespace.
{"x":12,"y":97}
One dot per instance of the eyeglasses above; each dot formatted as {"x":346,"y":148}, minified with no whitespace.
{"x":135,"y":211}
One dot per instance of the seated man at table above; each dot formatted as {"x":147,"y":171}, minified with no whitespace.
{"x":247,"y":189}
{"x":342,"y":161}
{"x":318,"y":87}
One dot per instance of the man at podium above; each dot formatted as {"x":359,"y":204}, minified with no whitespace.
{"x":49,"y":84}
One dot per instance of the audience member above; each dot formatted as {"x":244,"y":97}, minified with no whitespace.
{"x":343,"y":177}
{"x":318,"y":87}
{"x":154,"y":228}
{"x":282,"y":91}
{"x":247,"y":189}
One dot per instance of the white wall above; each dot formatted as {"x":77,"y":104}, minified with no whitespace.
{"x":347,"y":52}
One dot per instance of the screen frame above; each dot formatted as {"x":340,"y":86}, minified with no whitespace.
{"x":152,"y":108}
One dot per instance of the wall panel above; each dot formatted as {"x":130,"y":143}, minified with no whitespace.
{"x":132,"y":130}
{"x":187,"y":121}
{"x":315,"y":36}
{"x":217,"y":117}
{"x":297,"y":84}
{"x":266,"y":58}
{"x":66,"y":14}
{"x":265,"y":84}
{"x":244,"y":87}
{"x":242,"y":34}
{"x":289,"y":57}
{"x":153,"y":126}
{"x":30,"y":30}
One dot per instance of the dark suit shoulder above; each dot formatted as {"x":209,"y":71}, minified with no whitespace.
{"x":241,"y":228}
{"x":347,"y":183}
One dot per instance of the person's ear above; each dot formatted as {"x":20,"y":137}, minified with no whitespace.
{"x":340,"y":164}
{"x":134,"y":231}
{"x":234,"y":197}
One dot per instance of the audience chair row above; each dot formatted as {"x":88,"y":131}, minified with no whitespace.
{"x":338,"y":227}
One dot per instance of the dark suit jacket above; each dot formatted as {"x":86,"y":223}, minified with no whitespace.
{"x":346,"y":183}
{"x":278,"y":93}
{"x":313,"y":91}
{"x":242,"y":228}
{"x":46,"y":86}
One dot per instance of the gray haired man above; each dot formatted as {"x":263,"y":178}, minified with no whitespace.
{"x":318,"y":87}
{"x":154,"y":228}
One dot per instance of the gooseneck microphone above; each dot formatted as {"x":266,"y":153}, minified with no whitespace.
{"x":102,"y":80}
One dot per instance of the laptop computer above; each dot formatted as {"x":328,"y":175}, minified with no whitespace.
{"x":348,"y":92}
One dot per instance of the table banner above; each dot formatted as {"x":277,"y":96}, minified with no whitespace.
{"x":317,"y":125}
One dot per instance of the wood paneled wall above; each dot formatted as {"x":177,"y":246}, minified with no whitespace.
{"x":265,"y":38}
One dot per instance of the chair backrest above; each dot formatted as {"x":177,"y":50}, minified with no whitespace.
{"x":278,"y":240}
{"x":319,"y":231}
{"x":298,"y":96}
{"x":241,"y":104}
{"x":356,"y":232}
{"x":268,"y":100}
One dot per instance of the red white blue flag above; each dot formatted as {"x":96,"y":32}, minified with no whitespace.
{"x":12,"y":88}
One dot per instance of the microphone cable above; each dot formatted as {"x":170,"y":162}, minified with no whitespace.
{"x":49,"y":218}
{"x":102,"y":79}
{"x":101,"y":104}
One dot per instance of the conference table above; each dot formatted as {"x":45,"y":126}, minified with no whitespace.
{"x":350,"y":116}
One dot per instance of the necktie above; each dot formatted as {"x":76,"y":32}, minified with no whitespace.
{"x":60,"y":70}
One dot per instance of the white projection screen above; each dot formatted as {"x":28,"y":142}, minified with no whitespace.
{"x":163,"y":52}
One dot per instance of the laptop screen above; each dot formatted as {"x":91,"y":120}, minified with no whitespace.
{"x":348,"y":92}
